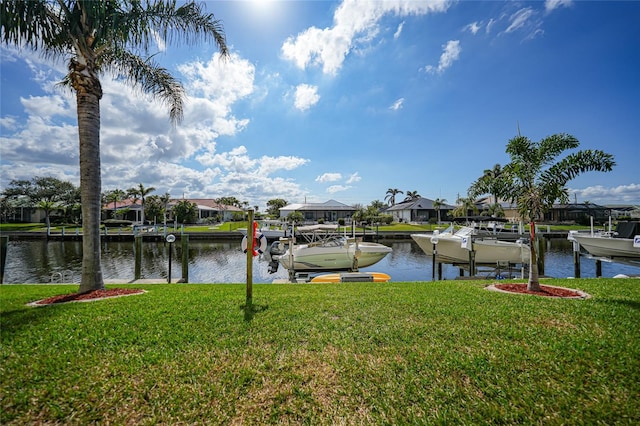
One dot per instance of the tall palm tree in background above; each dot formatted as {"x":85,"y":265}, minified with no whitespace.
{"x":391,"y":196}
{"x":139,"y":193}
{"x":437,"y":205}
{"x":95,"y":37}
{"x":491,"y":182}
{"x":165,"y":200}
{"x":536,"y":179}
{"x":115,"y":196}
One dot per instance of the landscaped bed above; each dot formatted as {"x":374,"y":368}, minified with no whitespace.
{"x":360,"y":353}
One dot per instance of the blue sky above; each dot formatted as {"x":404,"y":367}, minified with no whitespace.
{"x":344,"y":100}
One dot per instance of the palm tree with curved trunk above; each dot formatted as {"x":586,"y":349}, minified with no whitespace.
{"x":537,"y":179}
{"x":391,"y":196}
{"x":139,"y":193}
{"x":96,"y":37}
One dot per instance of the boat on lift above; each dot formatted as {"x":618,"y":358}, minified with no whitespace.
{"x":453,"y":246}
{"x":623,"y":243}
{"x":324,"y":249}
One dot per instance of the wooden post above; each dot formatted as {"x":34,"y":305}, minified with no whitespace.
{"x":4,"y":244}
{"x":250,"y":243}
{"x":576,"y":262}
{"x":185,"y":258}
{"x":137,"y":250}
{"x":598,"y":268}
{"x":472,"y":263}
{"x":540,"y":245}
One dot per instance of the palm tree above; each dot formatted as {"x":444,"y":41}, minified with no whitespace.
{"x":536,"y":179}
{"x":95,"y":37}
{"x":165,"y":200}
{"x":114,"y":197}
{"x":491,"y":182}
{"x":138,"y":194}
{"x":437,"y":205}
{"x":412,"y":195}
{"x":391,"y":196}
{"x":464,"y":205}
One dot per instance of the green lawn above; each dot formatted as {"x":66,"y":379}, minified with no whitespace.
{"x":446,"y":352}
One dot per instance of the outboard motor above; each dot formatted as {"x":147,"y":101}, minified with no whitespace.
{"x":275,"y":251}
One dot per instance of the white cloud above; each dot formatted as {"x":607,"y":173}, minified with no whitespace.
{"x":329,"y":177}
{"x":519,"y":19}
{"x":551,"y":5}
{"x":138,"y":143}
{"x":451,"y":53}
{"x":397,"y":104}
{"x":337,"y":188}
{"x":355,"y":22}
{"x":396,"y":35}
{"x":602,"y":195}
{"x":354,"y":178}
{"x":490,"y":25}
{"x":306,"y":96}
{"x":473,"y":27}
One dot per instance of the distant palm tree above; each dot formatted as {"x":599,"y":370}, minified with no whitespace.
{"x":491,"y":182}
{"x":114,"y":197}
{"x":95,"y":37}
{"x":536,"y":179}
{"x":412,"y":195}
{"x":391,"y":196}
{"x":138,"y":194}
{"x":437,"y":205}
{"x":165,"y":200}
{"x":464,"y":206}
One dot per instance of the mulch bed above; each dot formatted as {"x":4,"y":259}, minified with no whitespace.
{"x":545,"y":290}
{"x":89,"y":296}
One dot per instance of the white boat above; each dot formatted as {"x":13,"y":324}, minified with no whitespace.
{"x":324,"y":250}
{"x":454,"y":247}
{"x":624,"y":242}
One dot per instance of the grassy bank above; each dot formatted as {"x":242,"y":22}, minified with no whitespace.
{"x":395,"y":353}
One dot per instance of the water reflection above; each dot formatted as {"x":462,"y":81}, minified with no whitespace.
{"x":224,"y":262}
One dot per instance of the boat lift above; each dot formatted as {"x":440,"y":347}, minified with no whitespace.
{"x":496,"y":270}
{"x":578,"y":253}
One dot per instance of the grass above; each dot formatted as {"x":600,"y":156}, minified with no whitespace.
{"x":396,"y":353}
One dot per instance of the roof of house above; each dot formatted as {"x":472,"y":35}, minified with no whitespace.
{"x":418,"y":204}
{"x":327,"y":205}
{"x":202,"y":203}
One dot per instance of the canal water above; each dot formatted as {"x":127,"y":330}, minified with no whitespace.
{"x":224,"y":262}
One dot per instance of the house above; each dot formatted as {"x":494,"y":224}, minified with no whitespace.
{"x":207,"y":208}
{"x":418,"y":210}
{"x":329,"y":211}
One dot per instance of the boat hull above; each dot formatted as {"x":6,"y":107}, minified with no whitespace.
{"x":607,"y":246}
{"x":333,"y":258}
{"x":449,"y":249}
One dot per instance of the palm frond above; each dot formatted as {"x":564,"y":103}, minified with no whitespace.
{"x":149,"y":77}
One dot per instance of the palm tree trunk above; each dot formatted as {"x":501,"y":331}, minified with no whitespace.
{"x":88,"y":104}
{"x":534,"y":279}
